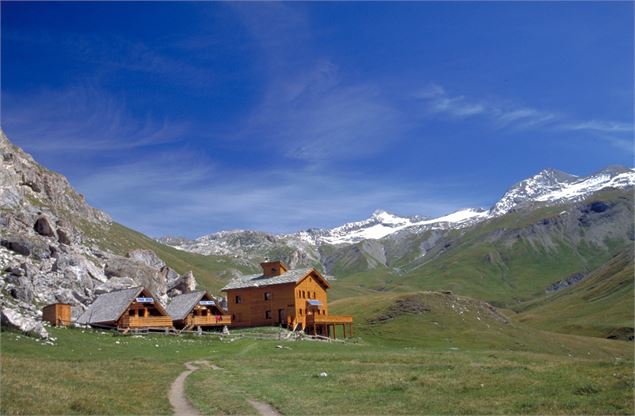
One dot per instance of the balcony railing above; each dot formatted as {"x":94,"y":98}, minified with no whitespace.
{"x":210,"y":320}
{"x":329,"y":319}
{"x":147,"y":322}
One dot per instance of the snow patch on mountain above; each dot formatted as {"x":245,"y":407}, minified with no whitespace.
{"x":548,"y":187}
{"x":552,"y":187}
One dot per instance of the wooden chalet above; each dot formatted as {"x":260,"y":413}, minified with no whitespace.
{"x":197,"y":309}
{"x":58,"y":314}
{"x":295,"y":299}
{"x":134,"y":308}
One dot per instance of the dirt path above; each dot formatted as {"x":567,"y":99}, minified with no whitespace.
{"x":182,"y":406}
{"x":263,"y":408}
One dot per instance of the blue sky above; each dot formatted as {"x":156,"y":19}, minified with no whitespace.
{"x":189,"y":118}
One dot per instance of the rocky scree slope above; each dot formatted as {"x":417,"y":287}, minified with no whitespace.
{"x":46,"y":255}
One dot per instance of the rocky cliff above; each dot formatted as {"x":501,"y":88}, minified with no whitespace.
{"x":47,"y":256}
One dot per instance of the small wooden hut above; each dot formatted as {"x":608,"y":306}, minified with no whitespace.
{"x":58,"y":314}
{"x":134,"y":308}
{"x":195,"y":309}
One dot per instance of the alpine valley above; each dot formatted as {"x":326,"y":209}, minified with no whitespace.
{"x":555,"y":252}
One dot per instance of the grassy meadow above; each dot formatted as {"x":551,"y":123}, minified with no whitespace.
{"x":416,"y":353}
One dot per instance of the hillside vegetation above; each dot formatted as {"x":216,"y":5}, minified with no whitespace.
{"x":601,"y":305}
{"x":416,"y":353}
{"x":210,"y":271}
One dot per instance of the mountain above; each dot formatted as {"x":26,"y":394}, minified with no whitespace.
{"x":599,"y":304}
{"x":389,"y":240}
{"x":545,"y":232}
{"x":54,"y":247}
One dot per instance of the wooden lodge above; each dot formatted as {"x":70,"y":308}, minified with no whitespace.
{"x":58,"y":314}
{"x":134,"y":308}
{"x":197,"y":309}
{"x":295,"y":299}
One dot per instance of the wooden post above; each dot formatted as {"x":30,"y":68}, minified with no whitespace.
{"x":334,"y":336}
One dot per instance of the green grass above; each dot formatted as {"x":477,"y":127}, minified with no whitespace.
{"x":597,"y":306}
{"x":502,"y":260}
{"x":416,"y":353}
{"x":119,"y":240}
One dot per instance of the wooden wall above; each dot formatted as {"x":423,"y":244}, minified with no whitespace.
{"x":288,"y":303}
{"x":308,"y":289}
{"x":58,"y":314}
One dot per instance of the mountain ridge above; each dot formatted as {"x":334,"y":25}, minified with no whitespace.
{"x":548,"y":187}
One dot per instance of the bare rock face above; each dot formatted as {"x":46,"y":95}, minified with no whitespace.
{"x":142,"y":274}
{"x":47,"y":253}
{"x":185,"y":283}
{"x":147,"y":257}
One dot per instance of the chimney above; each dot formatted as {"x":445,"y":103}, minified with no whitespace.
{"x":273,"y":268}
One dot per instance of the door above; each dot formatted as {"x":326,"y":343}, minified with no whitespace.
{"x":282,"y":317}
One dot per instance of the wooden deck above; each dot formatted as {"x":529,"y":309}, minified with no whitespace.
{"x":210,"y":320}
{"x":326,"y":325}
{"x":329,"y":319}
{"x":146,"y":322}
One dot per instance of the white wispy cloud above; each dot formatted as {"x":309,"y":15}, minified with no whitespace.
{"x":600,"y":126}
{"x":317,"y":116}
{"x":82,"y":118}
{"x":309,"y":110}
{"x":200,"y":197}
{"x":437,"y":101}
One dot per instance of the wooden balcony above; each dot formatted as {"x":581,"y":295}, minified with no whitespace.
{"x":210,"y":320}
{"x":146,"y":322}
{"x":329,"y":319}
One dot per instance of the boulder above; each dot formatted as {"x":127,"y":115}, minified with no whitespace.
{"x":116,"y":283}
{"x":22,"y":289}
{"x":79,"y":267}
{"x":63,"y":237}
{"x":43,"y":227}
{"x":11,"y":318}
{"x":140,"y":273}
{"x":147,"y":257}
{"x":185,"y":284}
{"x":17,"y":245}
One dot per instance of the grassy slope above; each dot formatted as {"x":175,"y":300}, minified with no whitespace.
{"x":442,"y":361}
{"x":119,"y":240}
{"x":600,"y":304}
{"x":478,"y":264}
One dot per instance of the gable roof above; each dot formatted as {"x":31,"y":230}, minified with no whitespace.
{"x":183,"y":304}
{"x":110,"y":306}
{"x":259,"y":280}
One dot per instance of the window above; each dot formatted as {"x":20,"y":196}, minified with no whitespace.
{"x":267,"y":295}
{"x":313,"y":295}
{"x":131,"y":312}
{"x":303,"y":295}
{"x":267,"y":314}
{"x":300,"y":311}
{"x":273,"y":270}
{"x":239,"y":299}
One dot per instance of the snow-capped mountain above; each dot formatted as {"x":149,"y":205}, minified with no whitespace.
{"x":552,"y":187}
{"x":382,"y":224}
{"x":549,"y":187}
